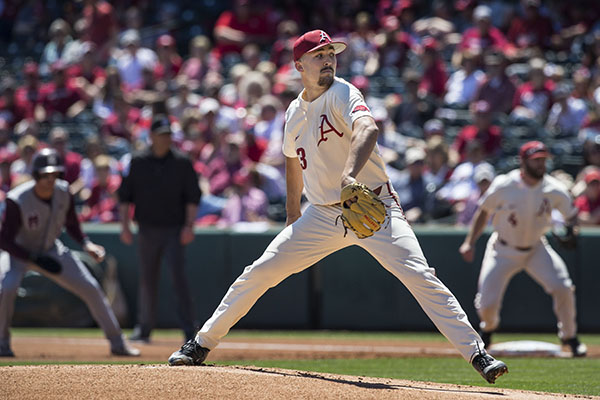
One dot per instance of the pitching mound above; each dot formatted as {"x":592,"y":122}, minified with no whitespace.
{"x":162,"y":382}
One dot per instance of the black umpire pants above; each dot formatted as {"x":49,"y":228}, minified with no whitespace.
{"x":154,"y":244}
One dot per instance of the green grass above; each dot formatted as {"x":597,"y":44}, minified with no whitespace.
{"x":591,"y":339}
{"x":574,"y":376}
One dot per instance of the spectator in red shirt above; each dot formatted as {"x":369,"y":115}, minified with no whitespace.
{"x":588,"y":203}
{"x":59,"y":137}
{"x":434,"y":77}
{"x":247,"y":202}
{"x":199,"y":62}
{"x":59,"y":98}
{"x":533,"y":98}
{"x":234,"y":29}
{"x":10,"y":110}
{"x":102,"y":205}
{"x":122,"y":122}
{"x":220,"y":170}
{"x":287,"y":32}
{"x":6,"y":177}
{"x":532,"y":29}
{"x":497,"y":89}
{"x":102,"y":23}
{"x":169,"y":62}
{"x":392,"y":49}
{"x":483,"y":36}
{"x":86,"y":74}
{"x":28,"y":95}
{"x":482,"y":130}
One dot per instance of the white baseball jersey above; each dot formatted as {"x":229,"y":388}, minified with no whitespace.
{"x":319,"y":134}
{"x":521,"y":217}
{"x":522,"y":213}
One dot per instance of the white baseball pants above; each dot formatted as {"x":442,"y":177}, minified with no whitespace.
{"x":314,"y":236}
{"x":500,"y":263}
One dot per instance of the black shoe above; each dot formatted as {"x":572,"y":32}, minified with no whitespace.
{"x":191,"y":353}
{"x":577,"y":348}
{"x":124,"y":349}
{"x":138,"y":336}
{"x":487,"y":338}
{"x":489,"y":367}
{"x":5,"y":351}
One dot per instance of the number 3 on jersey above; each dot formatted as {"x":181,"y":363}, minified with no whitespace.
{"x":302,"y":156}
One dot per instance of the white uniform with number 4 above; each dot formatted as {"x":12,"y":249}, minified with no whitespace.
{"x":521,"y":217}
{"x":319,"y":134}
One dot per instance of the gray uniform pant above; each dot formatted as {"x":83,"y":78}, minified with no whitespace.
{"x":74,"y":276}
{"x":154,"y":243}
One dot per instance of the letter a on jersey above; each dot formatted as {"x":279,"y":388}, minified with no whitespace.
{"x":326,"y":128}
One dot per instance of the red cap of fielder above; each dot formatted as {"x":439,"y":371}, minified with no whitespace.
{"x":314,"y":40}
{"x":533,"y":149}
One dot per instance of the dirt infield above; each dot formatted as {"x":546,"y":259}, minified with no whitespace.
{"x":149,"y":380}
{"x":161,"y":382}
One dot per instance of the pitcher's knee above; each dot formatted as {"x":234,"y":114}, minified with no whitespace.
{"x":259,"y":274}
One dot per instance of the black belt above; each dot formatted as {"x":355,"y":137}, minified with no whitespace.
{"x":515,"y":247}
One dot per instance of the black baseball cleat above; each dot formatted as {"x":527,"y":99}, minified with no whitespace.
{"x":577,"y":348}
{"x":138,"y":336}
{"x":486,"y":337}
{"x":5,"y":351}
{"x":488,"y":367}
{"x":124,"y":349}
{"x":191,"y":353}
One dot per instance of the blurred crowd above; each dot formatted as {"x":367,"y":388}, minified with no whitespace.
{"x":455,"y":86}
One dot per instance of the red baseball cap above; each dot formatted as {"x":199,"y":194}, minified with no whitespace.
{"x":314,"y":40}
{"x":592,"y":175}
{"x":533,"y":149}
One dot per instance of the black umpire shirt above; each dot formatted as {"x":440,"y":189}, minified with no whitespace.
{"x":160,"y":188}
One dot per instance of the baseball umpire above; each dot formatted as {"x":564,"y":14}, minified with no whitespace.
{"x":35,"y":215}
{"x":330,"y":146}
{"x":520,"y":204}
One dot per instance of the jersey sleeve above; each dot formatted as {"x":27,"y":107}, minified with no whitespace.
{"x":564,"y":204}
{"x":11,"y":225}
{"x":492,"y":198}
{"x":288,"y":147}
{"x":352,"y":105}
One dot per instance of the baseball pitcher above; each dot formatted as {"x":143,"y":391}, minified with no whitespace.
{"x":331,"y":154}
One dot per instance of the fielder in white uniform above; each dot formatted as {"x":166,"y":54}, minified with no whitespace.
{"x":520,"y":204}
{"x":329,"y":142}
